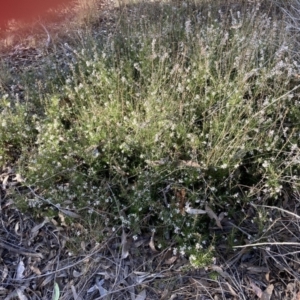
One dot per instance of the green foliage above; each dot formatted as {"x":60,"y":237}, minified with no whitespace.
{"x":16,"y":130}
{"x":200,"y":258}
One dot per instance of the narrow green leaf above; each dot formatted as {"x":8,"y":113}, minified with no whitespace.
{"x":56,"y":292}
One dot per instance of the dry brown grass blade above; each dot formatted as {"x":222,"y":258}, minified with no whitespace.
{"x":269,"y":244}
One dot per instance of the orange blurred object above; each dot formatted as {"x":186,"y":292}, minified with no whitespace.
{"x":26,"y":10}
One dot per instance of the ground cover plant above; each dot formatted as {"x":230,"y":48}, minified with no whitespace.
{"x":179,"y":121}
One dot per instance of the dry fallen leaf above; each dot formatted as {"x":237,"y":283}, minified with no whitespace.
{"x":267,"y":294}
{"x":141,"y":295}
{"x":4,"y":273}
{"x":231,"y":290}
{"x":20,"y":270}
{"x":35,"y":270}
{"x":125,"y":245}
{"x":181,"y":199}
{"x":189,"y":163}
{"x":221,"y":272}
{"x":75,"y":295}
{"x":36,"y":228}
{"x":103,"y":292}
{"x":151,"y":243}
{"x":165,"y":294}
{"x":5,"y":182}
{"x":76,"y":274}
{"x":212,"y":215}
{"x":194,"y":211}
{"x":142,"y":276}
{"x":221,"y":216}
{"x":20,"y":294}
{"x":107,"y":275}
{"x":267,"y":276}
{"x":69,"y":213}
{"x":171,"y":260}
{"x":258,"y":292}
{"x":18,"y":178}
{"x":62,"y":219}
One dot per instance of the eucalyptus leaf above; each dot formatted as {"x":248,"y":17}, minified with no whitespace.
{"x":56,"y":292}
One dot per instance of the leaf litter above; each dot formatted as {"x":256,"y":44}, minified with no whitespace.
{"x":34,"y":257}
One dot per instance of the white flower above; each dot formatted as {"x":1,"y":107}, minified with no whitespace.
{"x":265,"y":164}
{"x":192,"y":258}
{"x":198,"y":246}
{"x":294,"y":147}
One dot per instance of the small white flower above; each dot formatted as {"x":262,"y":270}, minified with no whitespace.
{"x":192,"y":258}
{"x":265,"y":164}
{"x":294,"y":147}
{"x":198,"y":246}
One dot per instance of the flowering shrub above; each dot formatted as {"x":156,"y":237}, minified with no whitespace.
{"x":161,"y":119}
